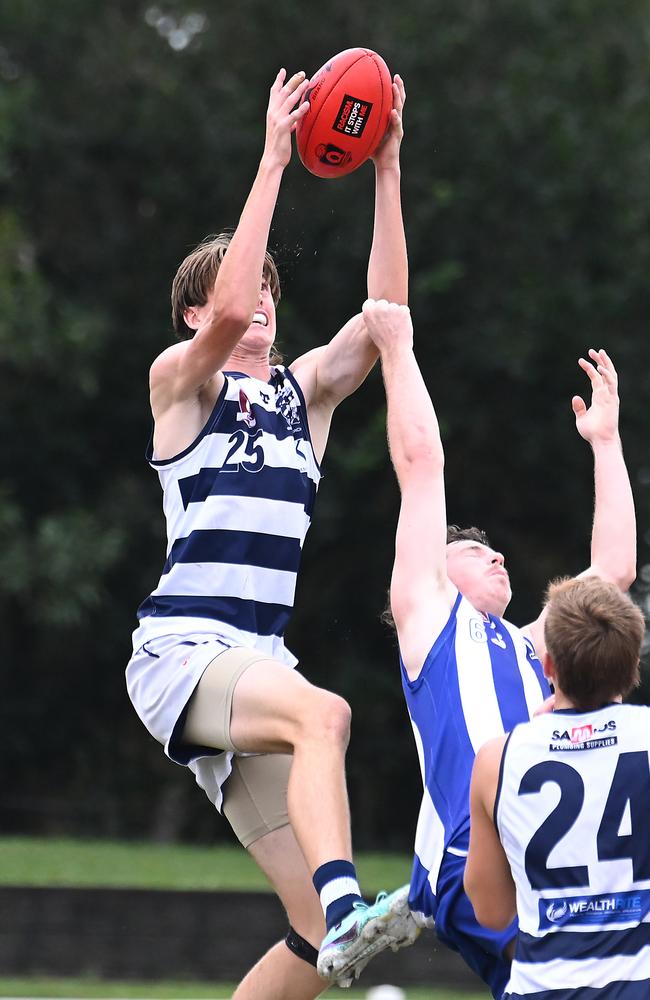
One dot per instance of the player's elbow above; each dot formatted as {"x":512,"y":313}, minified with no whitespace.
{"x":491,"y":908}
{"x":620,"y":572}
{"x":231,"y":313}
{"x":489,"y":912}
{"x":424,"y":449}
{"x":231,"y":319}
{"x":494,"y":918}
{"x":626,"y":575}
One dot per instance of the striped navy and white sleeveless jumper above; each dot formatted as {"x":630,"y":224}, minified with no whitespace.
{"x":238,"y":502}
{"x":480,"y":678}
{"x":573,"y":814}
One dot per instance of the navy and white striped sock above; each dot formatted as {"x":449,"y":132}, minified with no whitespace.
{"x":336,"y":884}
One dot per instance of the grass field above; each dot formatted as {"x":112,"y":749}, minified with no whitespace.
{"x":89,"y":989}
{"x":34,"y":861}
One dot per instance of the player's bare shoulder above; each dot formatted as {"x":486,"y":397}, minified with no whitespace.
{"x":164,"y":369}
{"x":168,"y":384}
{"x":180,"y":410}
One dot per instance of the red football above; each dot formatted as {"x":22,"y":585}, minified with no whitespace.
{"x":350,"y":99}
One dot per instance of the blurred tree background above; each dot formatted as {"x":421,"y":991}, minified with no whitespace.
{"x":128,"y":131}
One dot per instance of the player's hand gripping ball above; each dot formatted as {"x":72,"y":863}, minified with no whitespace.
{"x":350,"y":98}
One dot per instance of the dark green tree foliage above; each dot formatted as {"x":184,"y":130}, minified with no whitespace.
{"x":127,"y":133}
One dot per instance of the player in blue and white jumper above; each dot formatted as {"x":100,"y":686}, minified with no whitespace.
{"x":467,"y":674}
{"x":237,"y":443}
{"x":560,"y":812}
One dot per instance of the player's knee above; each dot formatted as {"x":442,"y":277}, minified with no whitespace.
{"x":339,"y":719}
{"x":336,"y":719}
{"x":327,"y":717}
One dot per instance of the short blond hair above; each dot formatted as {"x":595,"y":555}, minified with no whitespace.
{"x":196,"y":276}
{"x":593,"y":634}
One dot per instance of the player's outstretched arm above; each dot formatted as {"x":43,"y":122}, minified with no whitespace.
{"x":421,"y":594}
{"x":329,"y":374}
{"x":237,"y":287}
{"x":488,"y":880}
{"x":613,"y":538}
{"x":388,"y":263}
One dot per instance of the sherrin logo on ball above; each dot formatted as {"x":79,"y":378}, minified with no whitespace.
{"x":350,"y":101}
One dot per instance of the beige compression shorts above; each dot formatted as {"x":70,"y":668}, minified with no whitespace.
{"x":255,"y":793}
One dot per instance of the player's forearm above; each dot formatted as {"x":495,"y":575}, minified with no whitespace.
{"x":613,"y":542}
{"x":413,"y":431}
{"x":237,"y":287}
{"x":388,"y":263}
{"x":487,"y":878}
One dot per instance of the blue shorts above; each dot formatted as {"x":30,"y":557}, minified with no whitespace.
{"x":457,"y":927}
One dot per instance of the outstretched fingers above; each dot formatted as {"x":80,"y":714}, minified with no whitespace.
{"x":600,"y":371}
{"x":395,"y":125}
{"x":600,"y":419}
{"x":286,"y":108}
{"x":399,"y":93}
{"x":277,"y":84}
{"x":281,"y":84}
{"x":294,"y":87}
{"x":592,"y":373}
{"x":293,"y":106}
{"x":285,"y":93}
{"x":298,"y":113}
{"x":387,"y":152}
{"x":605,"y":366}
